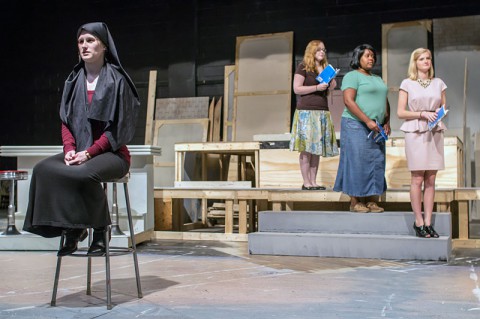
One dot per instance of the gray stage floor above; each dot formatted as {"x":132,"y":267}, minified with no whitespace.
{"x":205,"y":279}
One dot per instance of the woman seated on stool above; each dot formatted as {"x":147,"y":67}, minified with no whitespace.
{"x":98,"y":113}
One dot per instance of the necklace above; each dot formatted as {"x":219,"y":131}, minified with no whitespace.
{"x":424,"y":83}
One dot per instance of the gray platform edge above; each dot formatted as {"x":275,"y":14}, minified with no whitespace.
{"x":395,"y":247}
{"x":352,"y":235}
{"x":341,"y":222}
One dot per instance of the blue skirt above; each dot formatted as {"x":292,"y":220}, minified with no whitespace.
{"x":361,"y":170}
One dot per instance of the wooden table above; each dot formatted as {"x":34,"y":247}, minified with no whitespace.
{"x":240,"y":149}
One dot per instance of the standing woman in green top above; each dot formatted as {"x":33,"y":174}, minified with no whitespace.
{"x":361,"y":170}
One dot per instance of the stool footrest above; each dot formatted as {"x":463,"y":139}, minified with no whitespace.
{"x":114,"y":251}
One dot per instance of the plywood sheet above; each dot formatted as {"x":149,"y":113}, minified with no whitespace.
{"x":210,"y":120}
{"x":181,"y":108}
{"x":217,"y":114}
{"x":166,"y":134}
{"x":398,"y":42}
{"x":228,"y":96}
{"x":262,"y":114}
{"x":263,"y":81}
{"x":169,"y":132}
{"x":336,"y":106}
{"x":279,"y":168}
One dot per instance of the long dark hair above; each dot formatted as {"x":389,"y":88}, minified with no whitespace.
{"x":358,"y":53}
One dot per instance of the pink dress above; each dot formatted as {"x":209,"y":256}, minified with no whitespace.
{"x":424,"y":149}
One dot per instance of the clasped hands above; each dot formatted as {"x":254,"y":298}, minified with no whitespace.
{"x":73,"y":158}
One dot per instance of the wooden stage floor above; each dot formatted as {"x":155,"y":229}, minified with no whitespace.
{"x":213,"y":279}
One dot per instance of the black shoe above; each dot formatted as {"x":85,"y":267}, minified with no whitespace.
{"x":98,"y":246}
{"x":319,"y":188}
{"x":431,"y":232}
{"x":307,"y":188}
{"x":72,"y":237}
{"x":421,"y":231}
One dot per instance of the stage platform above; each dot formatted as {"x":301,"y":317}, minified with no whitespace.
{"x":169,"y":216}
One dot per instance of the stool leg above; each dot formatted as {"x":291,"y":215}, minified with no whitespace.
{"x":11,"y":229}
{"x":115,"y":223}
{"x":132,"y":238}
{"x":89,"y":265}
{"x":107,"y":268}
{"x":53,"y":303}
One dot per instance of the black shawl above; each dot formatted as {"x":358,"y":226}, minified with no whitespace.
{"x":115,"y":101}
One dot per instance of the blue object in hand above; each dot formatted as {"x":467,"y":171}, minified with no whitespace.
{"x":378,"y":137}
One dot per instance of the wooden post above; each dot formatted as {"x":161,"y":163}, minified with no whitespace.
{"x":152,"y":87}
{"x":228,"y":216}
{"x":242,"y":216}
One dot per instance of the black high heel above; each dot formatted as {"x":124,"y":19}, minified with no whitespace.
{"x":431,"y":231}
{"x":421,"y":231}
{"x":98,"y":246}
{"x":72,"y":237}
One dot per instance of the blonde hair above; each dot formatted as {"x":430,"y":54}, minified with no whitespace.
{"x":412,"y":67}
{"x":309,"y":56}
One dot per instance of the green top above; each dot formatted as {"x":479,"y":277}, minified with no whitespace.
{"x":371,"y":95}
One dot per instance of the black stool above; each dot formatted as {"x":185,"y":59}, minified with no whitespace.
{"x":13,"y":177}
{"x":110,"y":250}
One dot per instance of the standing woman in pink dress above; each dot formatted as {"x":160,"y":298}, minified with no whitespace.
{"x":424,"y":94}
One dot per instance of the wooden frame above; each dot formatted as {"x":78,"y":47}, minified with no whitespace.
{"x":263,"y":85}
{"x":152,"y":88}
{"x":228,"y":95}
{"x":398,"y":42}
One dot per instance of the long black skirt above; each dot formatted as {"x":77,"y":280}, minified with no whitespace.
{"x":63,"y":196}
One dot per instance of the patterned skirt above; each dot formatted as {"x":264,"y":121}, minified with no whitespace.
{"x":313,"y":132}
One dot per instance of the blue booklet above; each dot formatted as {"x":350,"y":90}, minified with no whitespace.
{"x":440,"y":115}
{"x":328,"y":74}
{"x":378,"y":137}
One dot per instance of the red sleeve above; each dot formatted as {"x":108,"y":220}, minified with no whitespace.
{"x":68,"y":140}
{"x":100,"y":146}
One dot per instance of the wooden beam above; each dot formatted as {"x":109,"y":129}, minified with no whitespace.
{"x":152,"y":87}
{"x":242,"y":217}
{"x":229,"y":216}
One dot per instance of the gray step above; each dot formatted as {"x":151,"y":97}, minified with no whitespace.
{"x":341,"y":222}
{"x":350,"y":245}
{"x":388,"y":235}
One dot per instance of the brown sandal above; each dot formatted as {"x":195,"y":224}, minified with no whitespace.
{"x":359,"y":208}
{"x":374,"y":208}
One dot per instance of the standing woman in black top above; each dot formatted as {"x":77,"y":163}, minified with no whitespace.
{"x":313,"y":134}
